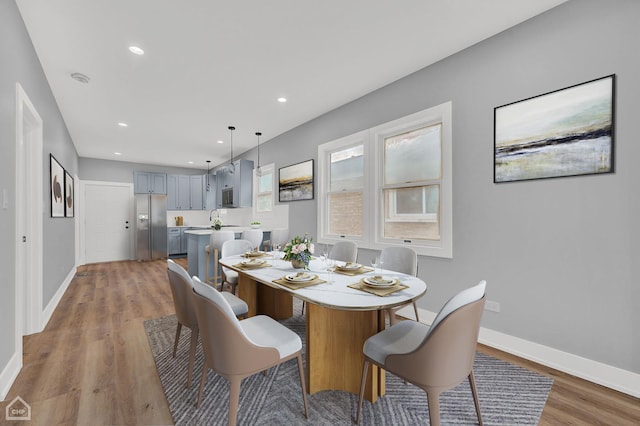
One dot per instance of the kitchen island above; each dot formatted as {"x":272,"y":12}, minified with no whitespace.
{"x":199,"y":239}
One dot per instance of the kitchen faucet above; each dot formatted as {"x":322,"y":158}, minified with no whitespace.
{"x":211,"y":214}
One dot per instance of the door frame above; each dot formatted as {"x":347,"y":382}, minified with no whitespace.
{"x":29,"y":217}
{"x":81,"y":203}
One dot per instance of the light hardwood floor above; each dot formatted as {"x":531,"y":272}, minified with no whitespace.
{"x":92,"y":364}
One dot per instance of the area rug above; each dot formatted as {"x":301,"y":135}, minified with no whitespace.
{"x":509,"y":394}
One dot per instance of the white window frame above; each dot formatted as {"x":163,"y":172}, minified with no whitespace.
{"x":324,"y":165}
{"x":269,"y":168}
{"x":373,"y":196}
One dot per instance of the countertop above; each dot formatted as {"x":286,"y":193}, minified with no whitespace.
{"x":207,"y":230}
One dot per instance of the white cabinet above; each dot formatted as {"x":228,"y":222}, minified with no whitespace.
{"x":149,"y":183}
{"x":210,"y":185}
{"x":185,"y":192}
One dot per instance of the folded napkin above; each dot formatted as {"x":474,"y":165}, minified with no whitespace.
{"x":298,"y":285}
{"x":255,"y":254}
{"x":385,"y":291}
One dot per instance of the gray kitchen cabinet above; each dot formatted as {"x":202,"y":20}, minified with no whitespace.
{"x":149,"y":183}
{"x":196,"y":185}
{"x":184,"y":239}
{"x":235,"y":189}
{"x":185,"y":192}
{"x":174,"y":241}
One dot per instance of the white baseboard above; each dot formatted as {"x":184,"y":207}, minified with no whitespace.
{"x":606,"y":375}
{"x":9,"y":374}
{"x":53,"y":303}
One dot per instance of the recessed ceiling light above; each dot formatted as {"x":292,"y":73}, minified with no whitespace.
{"x":220,"y":141}
{"x":136,"y":50}
{"x":282,"y":100}
{"x":78,"y":76}
{"x":190,"y":162}
{"x":117,"y":153}
{"x":121,"y":124}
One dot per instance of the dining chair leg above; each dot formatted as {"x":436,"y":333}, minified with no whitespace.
{"x":203,"y":379}
{"x":216,"y":267}
{"x":303,"y":386}
{"x":365,"y":370}
{"x":175,"y":343}
{"x":474,"y":392}
{"x":433,"y":399}
{"x":303,"y":303}
{"x":234,"y":398}
{"x":192,"y":355}
{"x":415,"y":309}
{"x":392,"y":317}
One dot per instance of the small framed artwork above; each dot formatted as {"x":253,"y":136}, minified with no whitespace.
{"x":57,"y":187}
{"x":68,"y":195}
{"x":568,"y":132}
{"x":295,"y":182}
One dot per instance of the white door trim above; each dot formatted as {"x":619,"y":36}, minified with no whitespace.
{"x":29,"y":221}
{"x":80,"y":202}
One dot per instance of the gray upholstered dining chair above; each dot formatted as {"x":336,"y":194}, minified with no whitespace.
{"x":403,"y":260}
{"x":232,"y":248}
{"x":435,"y":358}
{"x":238,"y":349}
{"x":182,"y":291}
{"x":254,"y":236}
{"x":216,"y":240}
{"x":345,"y":251}
{"x":278,"y":236}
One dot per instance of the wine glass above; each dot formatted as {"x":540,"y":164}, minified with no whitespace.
{"x":330,"y":263}
{"x":376,"y":262}
{"x":276,"y":252}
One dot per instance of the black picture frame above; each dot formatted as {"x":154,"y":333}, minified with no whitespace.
{"x":567,"y":132}
{"x":296,"y":182}
{"x":69,"y":195}
{"x":56,"y":187}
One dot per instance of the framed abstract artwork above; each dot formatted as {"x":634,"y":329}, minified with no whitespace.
{"x":68,"y":195}
{"x":568,"y":132}
{"x":56,"y":185}
{"x":295,"y":182}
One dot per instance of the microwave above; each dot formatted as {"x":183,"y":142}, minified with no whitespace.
{"x":227,"y":197}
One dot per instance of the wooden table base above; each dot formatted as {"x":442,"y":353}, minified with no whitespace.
{"x":334,"y":339}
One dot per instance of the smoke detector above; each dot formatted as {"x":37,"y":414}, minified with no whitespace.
{"x":80,"y":77}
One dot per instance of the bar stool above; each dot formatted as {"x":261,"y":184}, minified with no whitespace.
{"x":216,"y":240}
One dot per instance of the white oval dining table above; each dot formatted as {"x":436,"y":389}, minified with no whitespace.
{"x":338,"y":318}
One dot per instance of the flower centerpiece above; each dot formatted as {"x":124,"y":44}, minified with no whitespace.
{"x":299,"y":251}
{"x":216,"y":223}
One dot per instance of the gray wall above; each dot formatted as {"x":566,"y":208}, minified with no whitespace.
{"x":122,"y":171}
{"x":20,"y":64}
{"x":560,"y":255}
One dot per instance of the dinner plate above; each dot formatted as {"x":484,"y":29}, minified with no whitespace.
{"x":253,"y":253}
{"x":381,"y":282}
{"x":295,"y":278}
{"x":349,"y":266}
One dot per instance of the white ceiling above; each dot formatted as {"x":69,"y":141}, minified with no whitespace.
{"x":211,"y":63}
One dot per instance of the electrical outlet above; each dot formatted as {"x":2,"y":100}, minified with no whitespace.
{"x":492,"y":306}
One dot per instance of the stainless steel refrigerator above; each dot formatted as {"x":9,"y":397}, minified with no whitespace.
{"x":151,"y":226}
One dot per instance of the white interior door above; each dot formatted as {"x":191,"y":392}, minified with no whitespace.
{"x":29,"y":223}
{"x":108,"y":221}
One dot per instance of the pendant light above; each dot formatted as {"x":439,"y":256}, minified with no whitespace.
{"x":258,"y":171}
{"x":208,"y":172}
{"x":232,"y":167}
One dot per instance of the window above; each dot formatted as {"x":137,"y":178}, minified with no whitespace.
{"x":263,"y":185}
{"x":390,"y":185}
